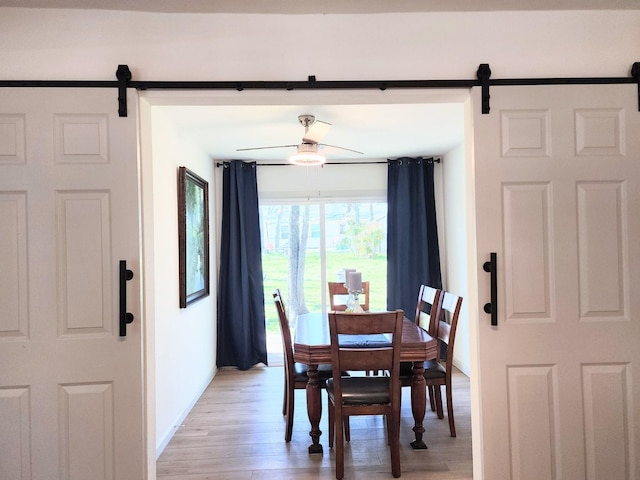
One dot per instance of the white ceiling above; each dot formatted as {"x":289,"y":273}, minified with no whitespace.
{"x":379,"y":131}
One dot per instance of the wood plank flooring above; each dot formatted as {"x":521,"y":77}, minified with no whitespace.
{"x":236,"y":432}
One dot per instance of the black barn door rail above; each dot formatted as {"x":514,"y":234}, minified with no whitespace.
{"x":483,"y":80}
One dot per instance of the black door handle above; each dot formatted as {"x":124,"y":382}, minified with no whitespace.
{"x":492,"y":308}
{"x":125,"y":317}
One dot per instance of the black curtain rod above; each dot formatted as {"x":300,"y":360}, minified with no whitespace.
{"x":220,"y":164}
{"x":483,"y":74}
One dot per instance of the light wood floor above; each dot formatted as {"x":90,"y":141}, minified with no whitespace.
{"x":236,"y":432}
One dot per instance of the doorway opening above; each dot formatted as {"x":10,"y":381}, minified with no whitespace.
{"x":187,"y":132}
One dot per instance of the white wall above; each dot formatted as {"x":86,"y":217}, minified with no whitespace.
{"x":184,"y":339}
{"x":73,"y":44}
{"x":455,"y":259}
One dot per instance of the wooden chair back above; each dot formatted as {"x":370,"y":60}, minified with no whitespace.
{"x":350,"y":351}
{"x":448,"y":324}
{"x":428,"y":308}
{"x":338,"y":296}
{"x":285,"y":330}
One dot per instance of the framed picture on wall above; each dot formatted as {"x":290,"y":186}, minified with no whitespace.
{"x":193,"y":236}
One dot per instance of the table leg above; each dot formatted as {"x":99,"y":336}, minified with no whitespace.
{"x":314,"y":408}
{"x":418,"y":403}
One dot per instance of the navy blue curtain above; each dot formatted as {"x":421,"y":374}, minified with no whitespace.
{"x":413,"y":256}
{"x":242,"y":338}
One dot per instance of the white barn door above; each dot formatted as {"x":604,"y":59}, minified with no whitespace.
{"x":557,"y":172}
{"x":71,"y":391}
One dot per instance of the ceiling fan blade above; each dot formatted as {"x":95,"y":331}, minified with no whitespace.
{"x":340,"y":148}
{"x":263,"y":148}
{"x":316,"y":132}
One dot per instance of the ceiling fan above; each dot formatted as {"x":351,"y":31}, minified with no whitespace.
{"x":307,"y":151}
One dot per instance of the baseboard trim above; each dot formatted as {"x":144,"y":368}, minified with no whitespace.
{"x":167,"y":438}
{"x":463,"y":367}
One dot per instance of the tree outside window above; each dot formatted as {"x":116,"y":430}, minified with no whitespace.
{"x":295,"y":262}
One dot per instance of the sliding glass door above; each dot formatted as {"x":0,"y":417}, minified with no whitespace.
{"x":306,"y":245}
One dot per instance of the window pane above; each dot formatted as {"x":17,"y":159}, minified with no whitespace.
{"x":357,"y":238}
{"x":291,"y":257}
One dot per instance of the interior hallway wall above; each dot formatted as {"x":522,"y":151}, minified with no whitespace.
{"x":455,"y":258}
{"x":184,"y":339}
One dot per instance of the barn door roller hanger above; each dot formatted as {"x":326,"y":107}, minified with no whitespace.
{"x":483,"y":79}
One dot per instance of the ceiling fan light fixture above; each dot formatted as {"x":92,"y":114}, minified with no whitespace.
{"x":307,"y":159}
{"x":307,"y":155}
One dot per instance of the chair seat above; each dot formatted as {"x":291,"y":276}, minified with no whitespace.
{"x":432,"y":370}
{"x":300,"y":372}
{"x":362,"y":390}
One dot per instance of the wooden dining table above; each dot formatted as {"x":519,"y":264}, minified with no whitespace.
{"x":312,"y":346}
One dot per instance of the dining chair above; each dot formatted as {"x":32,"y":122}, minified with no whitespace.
{"x":360,"y":342}
{"x":295,"y":374}
{"x":428,"y":310}
{"x":338,"y":296}
{"x":436,"y":373}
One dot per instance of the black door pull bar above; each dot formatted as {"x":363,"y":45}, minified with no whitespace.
{"x":125,"y":317}
{"x":492,"y":308}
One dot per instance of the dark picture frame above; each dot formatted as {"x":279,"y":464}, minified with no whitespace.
{"x":193,"y":236}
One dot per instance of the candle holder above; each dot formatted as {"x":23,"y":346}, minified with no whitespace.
{"x":353,"y":303}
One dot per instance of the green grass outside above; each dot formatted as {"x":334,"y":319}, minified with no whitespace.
{"x":275,"y":268}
